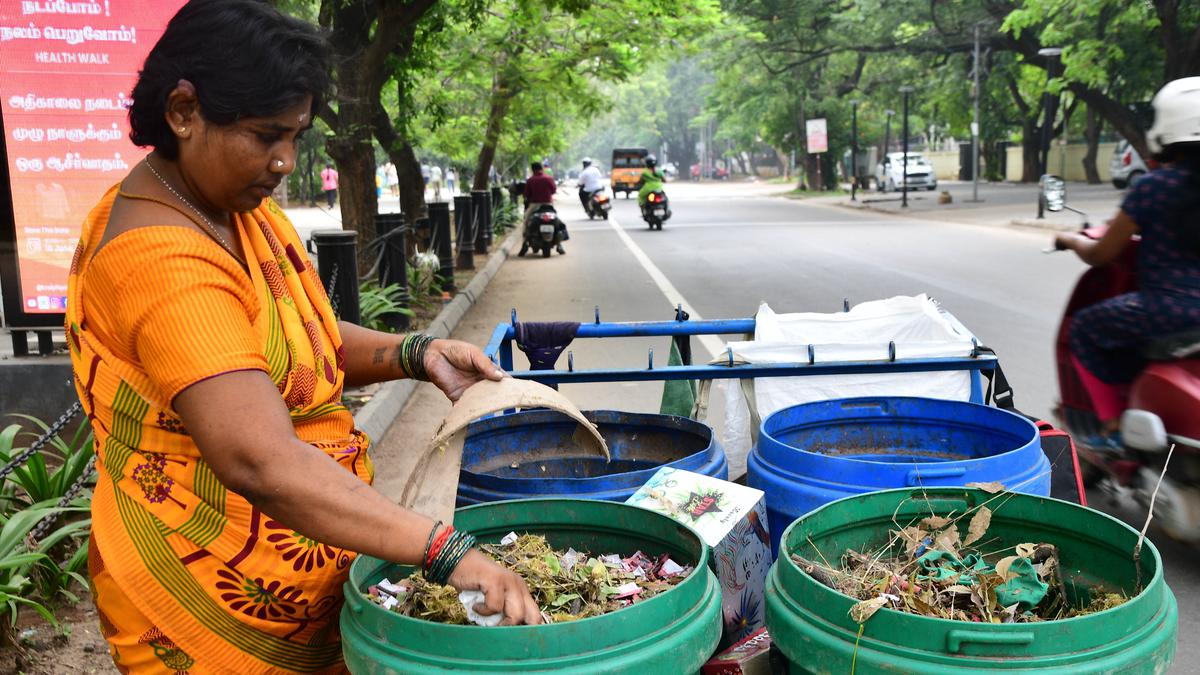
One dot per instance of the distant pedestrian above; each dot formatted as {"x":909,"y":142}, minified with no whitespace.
{"x":451,"y":178}
{"x":435,"y":181}
{"x":329,"y":183}
{"x":393,"y":181}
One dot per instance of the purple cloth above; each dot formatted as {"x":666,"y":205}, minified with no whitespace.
{"x":543,"y":342}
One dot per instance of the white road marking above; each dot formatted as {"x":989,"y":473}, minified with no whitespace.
{"x":712,"y":343}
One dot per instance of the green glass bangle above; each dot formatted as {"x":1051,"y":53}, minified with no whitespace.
{"x":428,"y":543}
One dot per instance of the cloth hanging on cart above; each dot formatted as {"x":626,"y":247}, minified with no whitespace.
{"x":543,"y":342}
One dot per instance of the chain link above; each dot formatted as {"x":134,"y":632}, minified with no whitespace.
{"x":42,"y":440}
{"x":72,"y":492}
{"x":331,"y":291}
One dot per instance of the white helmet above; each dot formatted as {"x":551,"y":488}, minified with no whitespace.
{"x":587,"y":161}
{"x":1176,"y":114}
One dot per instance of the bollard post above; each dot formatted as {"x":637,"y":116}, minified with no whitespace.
{"x":337,"y":265}
{"x":439,"y":216}
{"x":479,"y":206}
{"x":497,"y":198}
{"x":488,"y":218}
{"x":465,"y":232}
{"x":393,"y":266}
{"x":519,"y":193}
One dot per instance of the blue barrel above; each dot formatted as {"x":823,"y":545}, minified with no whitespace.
{"x":815,"y":453}
{"x":534,"y":454}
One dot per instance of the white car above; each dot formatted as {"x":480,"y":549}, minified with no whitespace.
{"x":1127,"y":166}
{"x":889,"y":174}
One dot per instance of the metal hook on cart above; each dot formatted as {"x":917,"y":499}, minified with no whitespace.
{"x":651,"y":364}
{"x":570,"y":362}
{"x":597,"y":314}
{"x":729,"y":351}
{"x":514,"y":316}
{"x":892,"y":350}
{"x":974,"y":347}
{"x":845,"y":304}
{"x":812,"y":354}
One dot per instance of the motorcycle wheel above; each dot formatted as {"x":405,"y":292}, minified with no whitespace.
{"x":524,"y":249}
{"x":604,"y":215}
{"x":546,"y":251}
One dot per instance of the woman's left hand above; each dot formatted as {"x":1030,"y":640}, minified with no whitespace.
{"x":454,"y":365}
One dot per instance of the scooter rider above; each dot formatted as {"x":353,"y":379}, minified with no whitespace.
{"x":651,"y":180}
{"x":539,"y":192}
{"x":1162,"y":207}
{"x":590,"y":182}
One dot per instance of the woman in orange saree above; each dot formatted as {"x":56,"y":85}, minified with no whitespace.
{"x":233,"y":489}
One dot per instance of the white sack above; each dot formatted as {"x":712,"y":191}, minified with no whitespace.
{"x":916,"y":325}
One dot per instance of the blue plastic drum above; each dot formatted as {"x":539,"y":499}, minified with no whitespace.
{"x":534,"y":454}
{"x":815,"y":453}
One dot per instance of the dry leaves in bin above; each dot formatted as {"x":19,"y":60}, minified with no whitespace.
{"x":933,"y":568}
{"x":567,"y":585}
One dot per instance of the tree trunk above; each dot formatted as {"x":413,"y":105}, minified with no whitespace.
{"x":1092,"y":134}
{"x":501,"y":98}
{"x":1031,"y":146}
{"x":352,"y":152}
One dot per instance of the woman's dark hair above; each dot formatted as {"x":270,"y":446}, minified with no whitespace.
{"x":244,"y":58}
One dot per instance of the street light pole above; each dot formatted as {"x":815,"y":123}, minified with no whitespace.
{"x":975,"y":127}
{"x":1051,"y":54}
{"x":853,"y":149}
{"x":906,"y":90}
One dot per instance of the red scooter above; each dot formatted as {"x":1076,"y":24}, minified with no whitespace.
{"x":1163,"y":408}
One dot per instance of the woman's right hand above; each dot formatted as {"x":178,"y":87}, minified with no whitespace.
{"x":503,"y":591}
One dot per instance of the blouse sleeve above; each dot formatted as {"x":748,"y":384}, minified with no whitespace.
{"x":184,"y":307}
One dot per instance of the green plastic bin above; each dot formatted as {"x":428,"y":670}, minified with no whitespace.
{"x":674,"y":632}
{"x":809,"y":622}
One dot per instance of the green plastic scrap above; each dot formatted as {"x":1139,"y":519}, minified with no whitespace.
{"x":948,"y":567}
{"x":1023,"y":587}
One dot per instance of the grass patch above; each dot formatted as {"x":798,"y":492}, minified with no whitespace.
{"x":808,"y":194}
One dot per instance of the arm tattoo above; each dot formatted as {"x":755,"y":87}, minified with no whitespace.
{"x":379,"y":354}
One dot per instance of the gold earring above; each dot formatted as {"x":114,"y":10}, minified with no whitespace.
{"x":182,"y":129}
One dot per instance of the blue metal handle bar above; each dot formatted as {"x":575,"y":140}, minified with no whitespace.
{"x":753,"y":370}
{"x":500,"y":351}
{"x":505,"y":332}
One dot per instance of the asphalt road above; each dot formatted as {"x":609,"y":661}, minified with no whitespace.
{"x":730,"y":247}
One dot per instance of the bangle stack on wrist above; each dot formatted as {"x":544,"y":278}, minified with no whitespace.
{"x":412,"y":355}
{"x":443,"y":552}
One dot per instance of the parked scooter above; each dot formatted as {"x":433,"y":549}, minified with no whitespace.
{"x":597,"y":205}
{"x":544,"y":231}
{"x":656,"y":210}
{"x":1163,"y":406}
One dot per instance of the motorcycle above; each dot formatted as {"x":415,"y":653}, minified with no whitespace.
{"x":656,"y":210}
{"x":1160,"y":410}
{"x":597,"y":205}
{"x":544,"y":231}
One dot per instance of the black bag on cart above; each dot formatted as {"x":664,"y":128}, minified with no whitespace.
{"x":1066,"y":480}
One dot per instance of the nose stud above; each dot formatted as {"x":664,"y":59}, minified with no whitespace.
{"x":279,"y":164}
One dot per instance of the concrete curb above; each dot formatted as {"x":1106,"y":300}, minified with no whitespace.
{"x":377,"y":415}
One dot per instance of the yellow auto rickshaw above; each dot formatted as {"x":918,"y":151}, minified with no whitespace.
{"x":627,"y":166}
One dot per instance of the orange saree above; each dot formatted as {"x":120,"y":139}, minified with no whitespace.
{"x":189,"y":577}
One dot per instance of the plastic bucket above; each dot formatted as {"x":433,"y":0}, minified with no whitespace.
{"x":815,"y":453}
{"x":674,"y":632}
{"x":534,"y":454}
{"x":809,"y":623}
